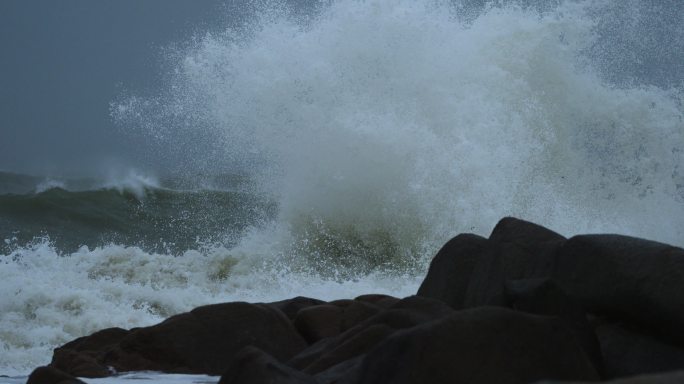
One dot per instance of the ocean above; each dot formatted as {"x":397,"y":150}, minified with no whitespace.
{"x":330,"y":154}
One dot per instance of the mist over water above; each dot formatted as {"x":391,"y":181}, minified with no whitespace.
{"x":424,"y":119}
{"x":353,"y":139}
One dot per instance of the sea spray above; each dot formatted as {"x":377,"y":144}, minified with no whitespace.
{"x":407,"y":119}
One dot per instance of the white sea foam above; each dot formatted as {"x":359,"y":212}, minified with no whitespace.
{"x":49,"y":299}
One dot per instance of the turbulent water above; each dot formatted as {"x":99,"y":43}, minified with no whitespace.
{"x":330,"y":152}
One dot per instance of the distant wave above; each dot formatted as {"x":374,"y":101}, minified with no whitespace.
{"x":139,"y":214}
{"x":130,"y":181}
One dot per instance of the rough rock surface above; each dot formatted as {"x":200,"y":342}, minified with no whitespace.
{"x":483,"y":345}
{"x":254,"y":366}
{"x":199,"y":341}
{"x":626,"y":277}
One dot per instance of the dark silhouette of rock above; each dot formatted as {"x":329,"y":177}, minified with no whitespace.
{"x":451,"y":270}
{"x":205,"y":339}
{"x":518,"y":250}
{"x":629,"y":352}
{"x":366,"y":335}
{"x":382,"y":301}
{"x":51,"y":375}
{"x":483,"y":345}
{"x":254,"y":366}
{"x":527,"y":250}
{"x":319,"y":322}
{"x":350,"y":347}
{"x":523,"y":305}
{"x":626,"y":277}
{"x":545,"y":297}
{"x":471,"y":271}
{"x":357,"y":311}
{"x":83,"y":364}
{"x":533,"y":237}
{"x":662,"y":378}
{"x":634,"y":281}
{"x":291,"y":307}
{"x":83,"y":357}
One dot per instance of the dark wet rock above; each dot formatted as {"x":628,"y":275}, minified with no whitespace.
{"x":83,"y":364}
{"x":382,"y":301}
{"x":203,"y":340}
{"x":511,"y":308}
{"x":471,"y":271}
{"x":336,"y":373}
{"x":483,"y":345}
{"x":357,"y":312}
{"x":254,"y":366}
{"x":98,"y":340}
{"x":328,"y":320}
{"x":534,"y":238}
{"x":526,"y":250}
{"x":361,"y":338}
{"x":291,"y":307}
{"x":350,"y":347}
{"x":628,"y":351}
{"x":83,"y":357}
{"x":319,"y":322}
{"x":545,"y":297}
{"x":51,"y":375}
{"x":451,"y":270}
{"x":206,"y":338}
{"x":517,"y":250}
{"x":627,"y":278}
{"x":662,"y":378}
{"x":634,"y":281}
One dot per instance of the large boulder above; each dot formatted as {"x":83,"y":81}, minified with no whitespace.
{"x":83,"y":357}
{"x":526,"y":250}
{"x":254,"y":366}
{"x":662,"y":378}
{"x":452,"y":269}
{"x":291,"y":307}
{"x":626,"y":277}
{"x":361,"y":338}
{"x":203,"y":340}
{"x":471,"y":271}
{"x":545,"y":297}
{"x":328,"y":320}
{"x":483,"y":345}
{"x":51,"y":375}
{"x":629,"y":351}
{"x":632,"y":281}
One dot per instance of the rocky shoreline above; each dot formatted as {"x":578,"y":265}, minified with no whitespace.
{"x":522,"y":306}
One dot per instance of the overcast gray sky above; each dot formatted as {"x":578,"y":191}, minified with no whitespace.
{"x":62,"y":63}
